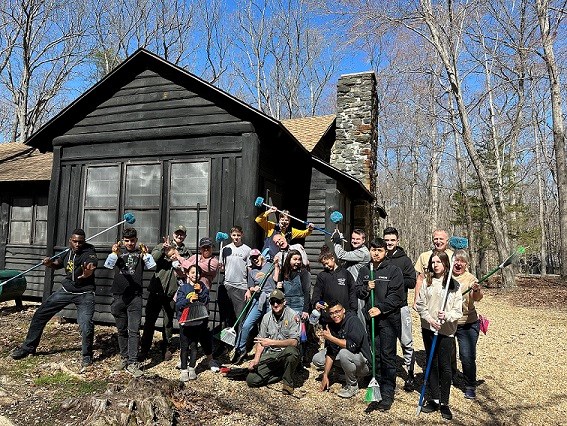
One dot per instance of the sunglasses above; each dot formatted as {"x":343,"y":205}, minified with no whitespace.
{"x":276,"y":302}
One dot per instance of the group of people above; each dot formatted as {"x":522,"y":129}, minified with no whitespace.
{"x":271,"y":288}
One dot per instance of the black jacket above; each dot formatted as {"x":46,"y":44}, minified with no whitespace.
{"x":399,"y":258}
{"x":337,"y":285}
{"x":388,"y":291}
{"x":354,"y":332}
{"x":73,"y":264}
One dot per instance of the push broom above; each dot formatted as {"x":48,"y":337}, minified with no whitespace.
{"x":228,"y":335}
{"x":127,"y":218}
{"x":511,"y":259}
{"x":335,"y":217}
{"x":373,"y":390}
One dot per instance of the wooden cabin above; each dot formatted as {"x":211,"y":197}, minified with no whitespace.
{"x":157,"y":141}
{"x":24,"y":185}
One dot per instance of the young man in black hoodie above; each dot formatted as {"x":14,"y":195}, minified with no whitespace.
{"x":397,"y":256}
{"x":334,"y":283}
{"x":388,"y":284}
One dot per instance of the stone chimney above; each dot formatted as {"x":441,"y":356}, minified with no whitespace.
{"x":354,"y":151}
{"x":356,"y":140}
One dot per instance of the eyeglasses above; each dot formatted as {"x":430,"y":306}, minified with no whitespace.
{"x":275,"y":302}
{"x":336,"y":313}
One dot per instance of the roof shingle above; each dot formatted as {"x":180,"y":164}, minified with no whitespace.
{"x":309,"y":130}
{"x":20,"y":162}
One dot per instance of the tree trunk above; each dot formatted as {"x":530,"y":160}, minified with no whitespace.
{"x":558,"y":128}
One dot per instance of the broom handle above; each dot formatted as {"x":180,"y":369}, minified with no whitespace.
{"x":372,"y":323}
{"x":300,"y":220}
{"x":270,"y":272}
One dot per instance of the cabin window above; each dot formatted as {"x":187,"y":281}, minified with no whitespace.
{"x":189,"y":186}
{"x":112,"y":190}
{"x":101,"y":202}
{"x":28,"y":220}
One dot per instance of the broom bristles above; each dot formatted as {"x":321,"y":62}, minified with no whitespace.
{"x":228,"y":336}
{"x":373,"y":392}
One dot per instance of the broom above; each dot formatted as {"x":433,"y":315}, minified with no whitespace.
{"x":373,"y":391}
{"x":511,"y":259}
{"x":228,"y":335}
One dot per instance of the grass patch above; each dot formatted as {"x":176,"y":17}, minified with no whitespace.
{"x":59,"y":378}
{"x":69,"y":384}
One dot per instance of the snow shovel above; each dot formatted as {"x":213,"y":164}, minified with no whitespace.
{"x":228,"y":335}
{"x":373,"y":390}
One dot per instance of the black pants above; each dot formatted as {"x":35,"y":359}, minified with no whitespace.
{"x":127,"y":313}
{"x":189,"y":337}
{"x":387,"y":331}
{"x":158,"y":303}
{"x":440,"y":374}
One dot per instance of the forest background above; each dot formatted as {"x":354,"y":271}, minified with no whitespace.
{"x":471,"y":134}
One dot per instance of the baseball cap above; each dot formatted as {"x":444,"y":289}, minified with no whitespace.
{"x":254,"y":252}
{"x":205,"y":241}
{"x":180,"y":228}
{"x":277,"y":295}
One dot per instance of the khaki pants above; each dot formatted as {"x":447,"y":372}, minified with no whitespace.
{"x":273,"y":367}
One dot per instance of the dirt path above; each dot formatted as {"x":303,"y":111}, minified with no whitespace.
{"x":519,"y":363}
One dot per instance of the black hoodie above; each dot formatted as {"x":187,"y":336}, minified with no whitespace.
{"x":399,"y":258}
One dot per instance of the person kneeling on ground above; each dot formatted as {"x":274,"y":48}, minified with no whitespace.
{"x":277,"y":353}
{"x":346,"y":346}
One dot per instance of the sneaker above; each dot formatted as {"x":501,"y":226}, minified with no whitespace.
{"x":214,"y":366}
{"x":287,"y":389}
{"x":470,"y":392}
{"x":184,"y":376}
{"x":239,"y":357}
{"x":385,"y":405}
{"x":134,"y":370}
{"x":446,"y":412}
{"x":191,"y":373}
{"x":409,"y":383}
{"x":178,"y":366}
{"x":348,"y":391}
{"x":20,"y":353}
{"x":121,"y":365}
{"x":430,"y":407}
{"x":87,"y":360}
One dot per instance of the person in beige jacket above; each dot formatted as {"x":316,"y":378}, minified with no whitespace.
{"x":468,"y":327}
{"x":441,"y":319}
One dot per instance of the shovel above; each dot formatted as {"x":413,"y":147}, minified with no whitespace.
{"x":228,"y":335}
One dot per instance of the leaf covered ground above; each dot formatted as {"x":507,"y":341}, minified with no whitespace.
{"x":520,"y":372}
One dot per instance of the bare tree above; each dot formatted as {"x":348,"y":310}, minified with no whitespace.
{"x":548,"y":34}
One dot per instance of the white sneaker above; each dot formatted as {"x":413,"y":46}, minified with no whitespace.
{"x":214,"y":366}
{"x":348,"y":391}
{"x":184,"y":376}
{"x":192,"y":374}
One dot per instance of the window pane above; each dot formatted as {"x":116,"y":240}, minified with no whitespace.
{"x":147,"y":224}
{"x":22,"y":209}
{"x":97,"y":221}
{"x":188,"y":218}
{"x":102,"y":187}
{"x":143,"y":186}
{"x":40,"y":236}
{"x":189,"y":184}
{"x":20,"y":232}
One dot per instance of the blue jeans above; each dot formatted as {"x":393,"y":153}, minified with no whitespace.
{"x":128,"y":316}
{"x":467,"y":336}
{"x":254,"y":315}
{"x":85,"y":303}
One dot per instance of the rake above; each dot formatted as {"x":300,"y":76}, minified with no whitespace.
{"x":373,"y":390}
{"x":511,"y":259}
